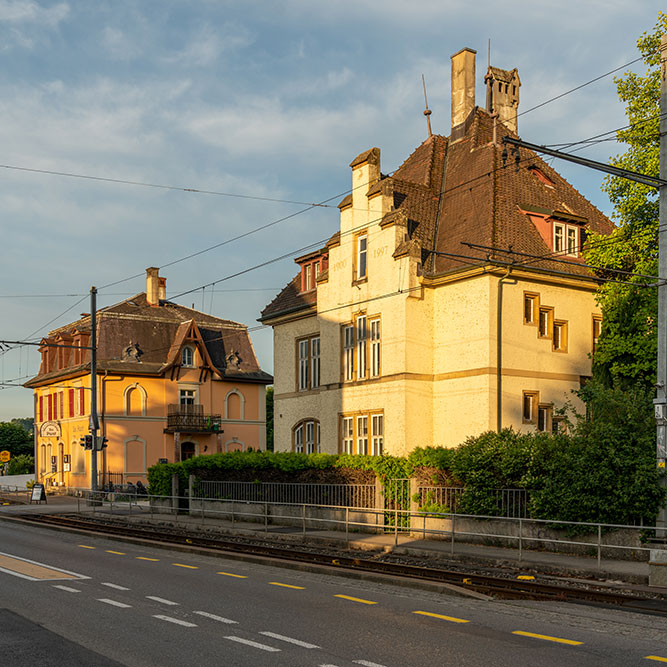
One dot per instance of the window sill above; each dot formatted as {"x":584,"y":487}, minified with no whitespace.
{"x":360,"y":281}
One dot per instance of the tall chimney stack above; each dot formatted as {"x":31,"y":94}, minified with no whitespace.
{"x":162,"y":289}
{"x":463,"y":85}
{"x":153,"y":286}
{"x":502,"y":95}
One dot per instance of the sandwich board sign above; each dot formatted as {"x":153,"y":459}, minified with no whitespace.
{"x":38,"y":494}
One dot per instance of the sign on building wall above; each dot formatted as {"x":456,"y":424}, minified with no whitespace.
{"x":50,"y":430}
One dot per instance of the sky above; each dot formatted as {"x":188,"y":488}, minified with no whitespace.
{"x":251,"y":102}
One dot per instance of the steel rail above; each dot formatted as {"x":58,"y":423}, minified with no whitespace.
{"x":489,"y":585}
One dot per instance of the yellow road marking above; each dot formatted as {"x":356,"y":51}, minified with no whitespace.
{"x":190,"y":567}
{"x":229,"y":574}
{"x":154,"y":560}
{"x":560,"y":640}
{"x":277,"y":583}
{"x":444,"y":618}
{"x":118,"y":553}
{"x":28,"y":569}
{"x":85,"y":546}
{"x":347,"y":597}
{"x":657,"y":658}
{"x":526,"y":577}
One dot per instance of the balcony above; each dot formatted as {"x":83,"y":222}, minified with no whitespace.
{"x":191,"y":419}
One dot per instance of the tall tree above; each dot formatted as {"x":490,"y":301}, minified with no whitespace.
{"x":627,"y":350}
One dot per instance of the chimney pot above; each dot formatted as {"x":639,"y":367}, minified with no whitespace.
{"x":152,"y":286}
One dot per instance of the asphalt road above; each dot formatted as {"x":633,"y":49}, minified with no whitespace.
{"x":123,"y":604}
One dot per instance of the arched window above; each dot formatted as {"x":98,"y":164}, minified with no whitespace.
{"x":135,"y":400}
{"x":188,"y":357}
{"x":306,"y":437}
{"x":234,"y":405}
{"x":135,"y":457}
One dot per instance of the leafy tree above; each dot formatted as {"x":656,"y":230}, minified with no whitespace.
{"x":15,"y":439}
{"x":627,"y":348}
{"x":23,"y":464}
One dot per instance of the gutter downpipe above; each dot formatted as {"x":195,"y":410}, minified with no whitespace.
{"x":499,"y":348}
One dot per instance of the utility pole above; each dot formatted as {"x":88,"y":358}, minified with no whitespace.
{"x":661,"y":383}
{"x":94,"y":422}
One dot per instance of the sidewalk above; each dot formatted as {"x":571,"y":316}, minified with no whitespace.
{"x":532,"y":562}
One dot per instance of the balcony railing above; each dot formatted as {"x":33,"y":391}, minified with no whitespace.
{"x":191,"y":419}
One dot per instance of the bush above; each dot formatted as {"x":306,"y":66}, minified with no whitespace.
{"x":23,"y":464}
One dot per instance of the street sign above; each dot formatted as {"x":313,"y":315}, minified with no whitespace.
{"x":5,"y":456}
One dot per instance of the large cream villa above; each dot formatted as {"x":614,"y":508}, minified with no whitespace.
{"x":451,"y":301}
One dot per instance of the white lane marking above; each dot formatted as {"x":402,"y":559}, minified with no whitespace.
{"x":162,"y":600}
{"x":116,"y":586}
{"x":122,"y":605}
{"x":366,"y":663}
{"x":247,"y":642}
{"x":178,"y":621}
{"x":298,"y":642}
{"x":66,"y":588}
{"x":221,"y":619}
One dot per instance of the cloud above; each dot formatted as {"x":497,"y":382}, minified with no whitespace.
{"x":208,"y":44}
{"x":27,"y":11}
{"x":119,"y":46}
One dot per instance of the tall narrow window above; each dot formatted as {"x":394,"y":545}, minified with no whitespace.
{"x":316,"y":269}
{"x":544,"y":418}
{"x":362,"y":435}
{"x":545,"y":322}
{"x":61,"y":403}
{"x":70,"y":400}
{"x":531,"y":304}
{"x":306,"y":437}
{"x":361,"y":347}
{"x":41,"y":408}
{"x":303,"y":364}
{"x":560,"y":336}
{"x":571,"y":240}
{"x":50,"y":406}
{"x":559,"y":238}
{"x":348,"y":435}
{"x":597,"y":329}
{"x":529,"y":407}
{"x":315,"y":362}
{"x":348,"y":342}
{"x":362,"y":252}
{"x":377,"y":434}
{"x":375,"y":348}
{"x":187,"y":357}
{"x":308,"y":277}
{"x":310,"y":437}
{"x":82,"y":401}
{"x":298,"y":439}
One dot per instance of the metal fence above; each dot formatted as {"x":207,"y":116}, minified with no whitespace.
{"x":592,"y":539}
{"x":510,"y":503}
{"x":338,"y":495}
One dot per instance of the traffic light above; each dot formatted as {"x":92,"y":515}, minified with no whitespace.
{"x":86,"y":441}
{"x":103,"y":442}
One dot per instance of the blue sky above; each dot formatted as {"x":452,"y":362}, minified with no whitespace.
{"x":258,"y":98}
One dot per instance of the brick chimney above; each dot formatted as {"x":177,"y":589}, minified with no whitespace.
{"x":153,"y":286}
{"x":162,"y":288}
{"x":502,"y":95}
{"x":463,"y":85}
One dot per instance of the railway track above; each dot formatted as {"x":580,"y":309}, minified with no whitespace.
{"x":498,"y":587}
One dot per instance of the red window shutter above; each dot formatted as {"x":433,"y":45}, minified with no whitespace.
{"x":50,"y":405}
{"x":62,"y":405}
{"x":82,"y":406}
{"x":41,"y":408}
{"x":71,"y":402}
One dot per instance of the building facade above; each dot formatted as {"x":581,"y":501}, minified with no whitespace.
{"x":451,"y":301}
{"x":172,"y":383}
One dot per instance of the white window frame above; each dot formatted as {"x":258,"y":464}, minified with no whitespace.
{"x":348,"y":352}
{"x":307,"y":437}
{"x":362,"y":334}
{"x":572,"y":234}
{"x":298,"y":439}
{"x":376,"y":332}
{"x":304,"y":362}
{"x":187,"y":397}
{"x":377,"y":434}
{"x":559,"y":237}
{"x":362,"y":435}
{"x":362,"y":256}
{"x":315,"y":362}
{"x":190,"y":352}
{"x":348,"y":435}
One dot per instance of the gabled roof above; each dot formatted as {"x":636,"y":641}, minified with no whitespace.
{"x":455,"y":190}
{"x":155,"y":335}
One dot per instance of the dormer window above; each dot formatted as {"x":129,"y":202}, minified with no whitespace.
{"x":309,"y":273}
{"x":188,"y":357}
{"x":566,"y":239}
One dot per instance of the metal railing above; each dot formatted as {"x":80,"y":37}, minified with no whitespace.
{"x":191,"y":418}
{"x":338,"y":495}
{"x":16,"y":492}
{"x":511,"y":503}
{"x":452,"y":528}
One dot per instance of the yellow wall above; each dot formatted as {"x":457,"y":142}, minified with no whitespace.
{"x":438,"y":383}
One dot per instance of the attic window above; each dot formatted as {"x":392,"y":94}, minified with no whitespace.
{"x":188,"y":357}
{"x":541,"y":176}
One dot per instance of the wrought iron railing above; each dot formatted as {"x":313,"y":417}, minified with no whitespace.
{"x":192,"y":418}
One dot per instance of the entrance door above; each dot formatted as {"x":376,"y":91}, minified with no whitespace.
{"x":187,"y":450}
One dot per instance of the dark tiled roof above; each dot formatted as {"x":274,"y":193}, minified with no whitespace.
{"x":478,"y":201}
{"x":291,"y":299}
{"x":158,"y":333}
